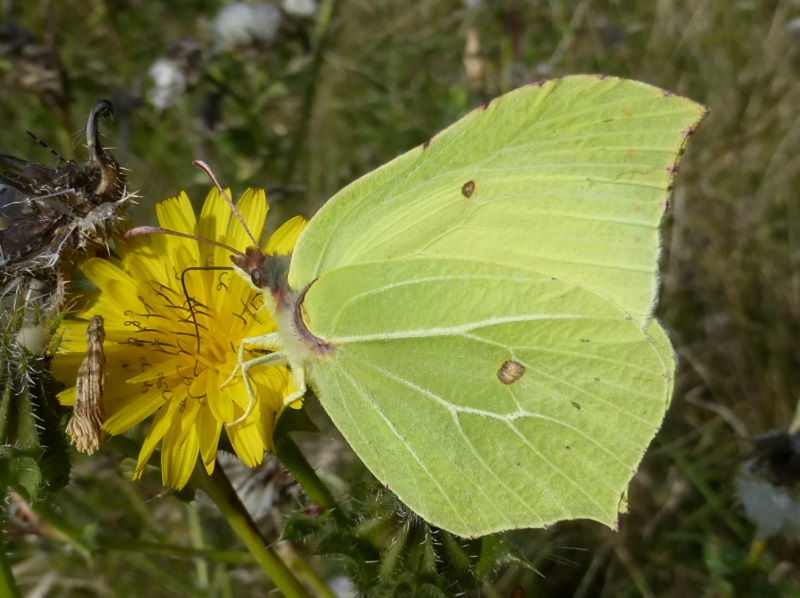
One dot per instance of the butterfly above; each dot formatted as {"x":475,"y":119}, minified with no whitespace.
{"x":476,"y":316}
{"x":50,"y":217}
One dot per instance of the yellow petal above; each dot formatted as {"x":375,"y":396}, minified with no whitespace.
{"x":222,"y":406}
{"x":247,"y":441}
{"x":177,"y":214}
{"x":208,"y":431}
{"x":284,"y":239}
{"x":178,"y":456}
{"x":102,"y":272}
{"x":125,"y":411}
{"x":67,"y":397}
{"x":158,"y":428}
{"x":253,"y":208}
{"x":214,"y":216}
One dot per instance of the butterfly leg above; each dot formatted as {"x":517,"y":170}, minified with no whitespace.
{"x":266,"y":360}
{"x":269,"y":342}
{"x":266,"y":342}
{"x":299,"y":378}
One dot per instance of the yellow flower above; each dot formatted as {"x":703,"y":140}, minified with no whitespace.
{"x":162,"y":360}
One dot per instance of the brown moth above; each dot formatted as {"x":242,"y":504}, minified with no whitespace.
{"x":85,"y":426}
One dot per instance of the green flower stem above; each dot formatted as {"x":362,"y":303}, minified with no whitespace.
{"x":295,"y":462}
{"x":219,"y":489}
{"x":8,"y":585}
{"x":304,"y":571}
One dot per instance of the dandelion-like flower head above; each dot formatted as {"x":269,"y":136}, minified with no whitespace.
{"x":170,"y":361}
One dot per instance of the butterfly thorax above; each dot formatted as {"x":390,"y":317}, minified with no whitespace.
{"x":270,"y":273}
{"x":266,"y":272}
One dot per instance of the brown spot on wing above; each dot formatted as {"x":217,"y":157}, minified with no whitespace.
{"x":468,"y":189}
{"x":510,"y":372}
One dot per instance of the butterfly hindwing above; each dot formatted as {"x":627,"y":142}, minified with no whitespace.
{"x":533,"y":387}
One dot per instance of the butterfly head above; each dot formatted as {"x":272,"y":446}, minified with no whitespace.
{"x":265,"y":272}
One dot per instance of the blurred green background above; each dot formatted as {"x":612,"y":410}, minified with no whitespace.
{"x":307,"y":108}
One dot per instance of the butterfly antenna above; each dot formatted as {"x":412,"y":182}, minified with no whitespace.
{"x":207,"y":169}
{"x":157,"y":230}
{"x":45,"y":146}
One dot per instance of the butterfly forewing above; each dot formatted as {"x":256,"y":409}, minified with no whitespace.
{"x":569,"y":178}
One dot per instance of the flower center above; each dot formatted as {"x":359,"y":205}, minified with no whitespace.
{"x":196,"y":323}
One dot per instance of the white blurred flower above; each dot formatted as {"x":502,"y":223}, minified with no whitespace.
{"x":169,"y":82}
{"x":343,"y":587}
{"x":240,"y":24}
{"x":773,"y":509}
{"x":768,"y":483}
{"x":792,"y":28}
{"x":300,"y":8}
{"x":472,"y":3}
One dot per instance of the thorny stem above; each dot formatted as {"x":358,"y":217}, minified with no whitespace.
{"x":295,"y":462}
